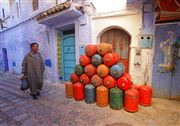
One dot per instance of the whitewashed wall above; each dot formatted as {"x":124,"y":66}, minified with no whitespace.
{"x":135,"y":23}
{"x":129,"y":23}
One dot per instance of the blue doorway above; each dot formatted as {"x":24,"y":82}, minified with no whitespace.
{"x":166,"y":84}
{"x":5,"y":59}
{"x":68,"y":56}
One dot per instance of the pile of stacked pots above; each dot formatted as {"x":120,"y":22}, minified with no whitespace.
{"x":100,"y":77}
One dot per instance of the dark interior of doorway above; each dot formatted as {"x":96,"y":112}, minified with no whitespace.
{"x":68,"y":32}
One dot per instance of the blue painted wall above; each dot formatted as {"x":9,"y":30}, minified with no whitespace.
{"x":17,"y":42}
{"x":24,"y":30}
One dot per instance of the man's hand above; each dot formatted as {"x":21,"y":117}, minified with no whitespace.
{"x":22,"y":76}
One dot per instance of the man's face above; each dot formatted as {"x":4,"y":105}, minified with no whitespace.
{"x":35,"y":48}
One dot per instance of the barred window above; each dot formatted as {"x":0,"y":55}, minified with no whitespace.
{"x":35,"y":5}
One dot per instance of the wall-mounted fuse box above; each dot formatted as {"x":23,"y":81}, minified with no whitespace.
{"x":146,"y":41}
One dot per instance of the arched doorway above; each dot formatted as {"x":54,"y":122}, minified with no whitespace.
{"x":120,"y":41}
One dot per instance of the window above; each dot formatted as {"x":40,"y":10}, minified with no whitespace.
{"x":17,"y":9}
{"x":11,"y":2}
{"x":35,"y":5}
{"x":3,"y":13}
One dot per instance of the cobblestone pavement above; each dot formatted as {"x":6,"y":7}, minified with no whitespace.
{"x":17,"y":108}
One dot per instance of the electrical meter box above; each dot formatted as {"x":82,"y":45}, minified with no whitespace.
{"x":146,"y":41}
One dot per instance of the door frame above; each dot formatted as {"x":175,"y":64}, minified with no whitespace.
{"x":62,"y":53}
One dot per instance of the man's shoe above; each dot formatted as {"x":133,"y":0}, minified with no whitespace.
{"x":35,"y":97}
{"x":38,"y":93}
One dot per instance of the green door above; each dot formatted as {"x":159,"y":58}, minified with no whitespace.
{"x":68,"y":56}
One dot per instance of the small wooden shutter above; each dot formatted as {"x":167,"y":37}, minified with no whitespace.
{"x":35,"y":5}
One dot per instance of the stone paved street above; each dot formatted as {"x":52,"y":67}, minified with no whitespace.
{"x":17,"y":108}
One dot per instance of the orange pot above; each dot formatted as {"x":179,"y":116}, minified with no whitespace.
{"x":104,"y":48}
{"x":69,"y":89}
{"x":102,"y":70}
{"x":102,"y":96}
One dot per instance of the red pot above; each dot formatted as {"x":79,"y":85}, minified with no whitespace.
{"x":84,"y":79}
{"x":84,"y":60}
{"x":116,"y":57}
{"x":96,"y":80}
{"x":90,"y":70}
{"x":131,"y":98}
{"x":74,"y":78}
{"x":78,"y":90}
{"x":135,"y":87}
{"x":123,"y":83}
{"x":145,"y":95}
{"x":128,"y":76}
{"x":109,"y":59}
{"x":109,"y":82}
{"x":90,"y":50}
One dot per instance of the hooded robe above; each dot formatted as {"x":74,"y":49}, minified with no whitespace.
{"x":33,"y":68}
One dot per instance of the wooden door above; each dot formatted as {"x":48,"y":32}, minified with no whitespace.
{"x":68,"y":56}
{"x":165,"y":84}
{"x":120,"y":41}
